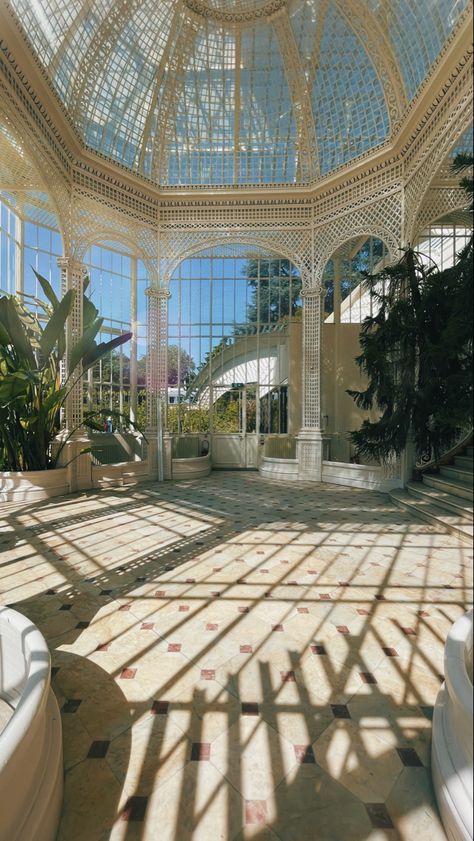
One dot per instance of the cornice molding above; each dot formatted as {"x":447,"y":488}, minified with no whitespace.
{"x":203,"y":10}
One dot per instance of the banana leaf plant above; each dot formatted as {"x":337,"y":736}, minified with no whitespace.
{"x":32,"y":348}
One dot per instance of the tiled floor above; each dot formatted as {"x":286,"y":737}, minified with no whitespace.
{"x":240,"y":660}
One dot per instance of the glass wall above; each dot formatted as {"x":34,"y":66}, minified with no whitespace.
{"x":42,"y":247}
{"x":227,"y":342}
{"x":441,"y":242}
{"x":10,"y":246}
{"x":346,"y":301}
{"x":109,"y":271}
{"x":117,"y":283}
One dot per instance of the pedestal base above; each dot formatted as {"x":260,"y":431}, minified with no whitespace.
{"x":310,"y":453}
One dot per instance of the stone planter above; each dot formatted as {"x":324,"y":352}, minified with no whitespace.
{"x":31,"y":760}
{"x":191,"y":468}
{"x":32,"y":485}
{"x":279,"y":469}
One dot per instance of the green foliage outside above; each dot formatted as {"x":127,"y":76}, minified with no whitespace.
{"x":32,"y":348}
{"x":182,"y":418}
{"x":417,"y":353}
{"x":276,"y":294}
{"x":276,"y":291}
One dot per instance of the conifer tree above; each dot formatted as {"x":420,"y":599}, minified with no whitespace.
{"x":417,"y":352}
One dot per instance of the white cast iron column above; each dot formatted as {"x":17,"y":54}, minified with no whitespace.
{"x":310,"y":439}
{"x":78,"y":467}
{"x":156,"y":376}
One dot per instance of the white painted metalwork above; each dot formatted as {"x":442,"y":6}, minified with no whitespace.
{"x":291,"y":126}
{"x":197,"y":92}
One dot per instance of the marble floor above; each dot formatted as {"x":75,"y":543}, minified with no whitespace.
{"x":236,"y":659}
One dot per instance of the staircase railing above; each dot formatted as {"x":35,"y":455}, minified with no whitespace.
{"x":428,"y":462}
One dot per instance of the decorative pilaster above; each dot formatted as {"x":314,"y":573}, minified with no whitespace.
{"x":310,"y":439}
{"x":133,"y":343}
{"x":156,"y":374}
{"x":72,"y":277}
{"x":73,"y":434}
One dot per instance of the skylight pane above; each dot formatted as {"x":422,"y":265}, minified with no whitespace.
{"x":348,"y":99}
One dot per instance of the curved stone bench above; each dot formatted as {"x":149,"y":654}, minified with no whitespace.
{"x":452,"y":752}
{"x":31,"y":759}
{"x":191,"y":468}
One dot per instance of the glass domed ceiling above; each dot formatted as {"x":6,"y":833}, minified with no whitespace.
{"x":213,"y":92}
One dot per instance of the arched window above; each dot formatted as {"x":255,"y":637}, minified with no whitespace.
{"x":346,"y":300}
{"x":229,"y":315}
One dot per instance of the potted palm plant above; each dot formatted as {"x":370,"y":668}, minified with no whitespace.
{"x":32,"y":389}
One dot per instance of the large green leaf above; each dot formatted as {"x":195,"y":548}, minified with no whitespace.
{"x":18,"y":337}
{"x":4,"y":336}
{"x":89,"y":312}
{"x":55,"y":326}
{"x":47,"y":289}
{"x":85,"y":344}
{"x":105,"y":347}
{"x":55,"y":399}
{"x":12,"y":388}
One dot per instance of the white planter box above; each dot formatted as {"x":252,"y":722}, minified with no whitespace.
{"x":191,"y":468}
{"x":117,"y":475}
{"x":358,"y":476}
{"x":279,"y":469}
{"x":32,"y":485}
{"x":31,"y":759}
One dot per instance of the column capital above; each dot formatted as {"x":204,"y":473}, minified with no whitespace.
{"x":71,"y":263}
{"x":157,"y":292}
{"x":312,"y":292}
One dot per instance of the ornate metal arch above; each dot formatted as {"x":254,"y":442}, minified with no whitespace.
{"x":437,"y":203}
{"x":95,"y":221}
{"x":291,"y":247}
{"x":446,"y":123}
{"x":48,"y":175}
{"x":110,"y":235}
{"x":361,"y":222}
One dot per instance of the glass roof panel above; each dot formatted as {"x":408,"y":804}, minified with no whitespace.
{"x":417,"y":31}
{"x":348,"y":101}
{"x":201,"y":148}
{"x":121,"y":98}
{"x":223,"y":135}
{"x":233,"y":117}
{"x":267,"y":137}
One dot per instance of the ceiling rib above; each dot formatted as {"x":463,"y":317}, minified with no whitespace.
{"x":308,"y":158}
{"x":380,"y":52}
{"x":170,"y":93}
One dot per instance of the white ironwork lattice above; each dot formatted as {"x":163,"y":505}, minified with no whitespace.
{"x":72,"y":277}
{"x":100,"y":221}
{"x":446,"y":122}
{"x":381,"y":219}
{"x":312,"y":321}
{"x":157,"y":346}
{"x":438,"y":202}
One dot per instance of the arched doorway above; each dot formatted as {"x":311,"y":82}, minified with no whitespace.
{"x":346,"y":304}
{"x":234,"y":313}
